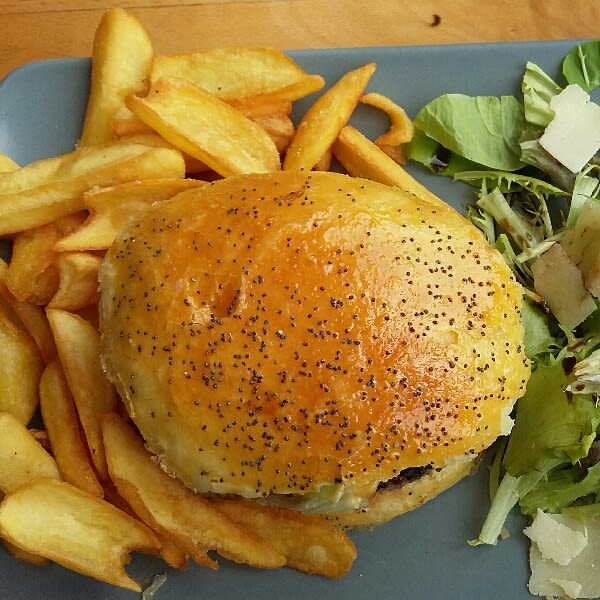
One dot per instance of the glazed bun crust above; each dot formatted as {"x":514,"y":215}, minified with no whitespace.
{"x":276,"y":333}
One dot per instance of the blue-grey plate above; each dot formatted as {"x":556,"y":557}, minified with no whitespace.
{"x":423,"y":554}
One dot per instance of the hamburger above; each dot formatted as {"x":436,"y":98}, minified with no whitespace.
{"x":312,"y":340}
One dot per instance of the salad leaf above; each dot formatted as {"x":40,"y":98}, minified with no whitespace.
{"x":550,"y":423}
{"x":560,"y":490}
{"x":538,"y":89}
{"x":582,"y":65}
{"x":507,"y":495}
{"x":434,"y":156}
{"x":482,"y":129}
{"x":538,"y":339}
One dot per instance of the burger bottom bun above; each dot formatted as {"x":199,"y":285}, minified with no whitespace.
{"x":391,"y":502}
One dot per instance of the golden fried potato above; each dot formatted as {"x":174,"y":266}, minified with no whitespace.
{"x":323,"y":121}
{"x":308,"y":542}
{"x":236,"y":73}
{"x":32,"y":274}
{"x":32,"y":317}
{"x":205,"y":127}
{"x":401,"y":128}
{"x":362,"y":158}
{"x":121,"y":60}
{"x":78,"y":281}
{"x":110,"y":208}
{"x":279,"y":127}
{"x":173,"y":509}
{"x":78,"y":345}
{"x":90,"y":167}
{"x":20,"y":370}
{"x":58,"y":521}
{"x":7,"y":163}
{"x":62,"y":424}
{"x":23,"y":459}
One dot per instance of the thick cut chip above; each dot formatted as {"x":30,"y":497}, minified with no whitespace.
{"x":234,"y":73}
{"x":78,"y":281}
{"x":7,"y":163}
{"x":261,"y":106}
{"x":46,"y":202}
{"x":192,"y":165}
{"x":62,"y":424}
{"x":28,"y":557}
{"x":205,"y":127}
{"x":32,"y":274}
{"x":362,"y":158}
{"x":78,"y":345}
{"x":169,"y":550}
{"x":171,"y":508}
{"x":308,"y":542}
{"x":112,"y":207}
{"x":20,"y":369}
{"x":23,"y":459}
{"x":121,"y":60}
{"x":66,"y":166}
{"x":279,"y":127}
{"x":401,"y":128}
{"x":58,"y":521}
{"x":32,"y":317}
{"x":323,"y":121}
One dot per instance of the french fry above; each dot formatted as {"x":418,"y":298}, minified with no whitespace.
{"x":65,"y":166}
{"x":124,"y":123}
{"x":323,"y":121}
{"x":193,"y":166}
{"x":169,"y":550}
{"x":43,"y":204}
{"x":234,"y":73}
{"x":28,"y":557}
{"x":324,"y":163}
{"x":30,"y":176}
{"x":78,"y":345}
{"x":20,"y":370}
{"x":60,"y":522}
{"x":32,"y":317}
{"x":205,"y":127}
{"x":23,"y":458}
{"x":279,"y":127}
{"x":173,"y":509}
{"x":7,"y":163}
{"x":32,"y":274}
{"x":121,"y":60}
{"x":401,"y":128}
{"x":308,"y":542}
{"x":62,"y":424}
{"x":111,"y":207}
{"x":362,"y":158}
{"x":261,"y":106}
{"x":78,"y":281}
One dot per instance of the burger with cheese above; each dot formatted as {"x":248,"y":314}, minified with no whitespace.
{"x":313,"y":340}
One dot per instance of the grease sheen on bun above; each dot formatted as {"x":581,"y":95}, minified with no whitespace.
{"x":289,"y":333}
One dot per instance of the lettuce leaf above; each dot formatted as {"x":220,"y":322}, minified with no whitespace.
{"x":538,"y":89}
{"x":483,"y":129}
{"x":550,"y":423}
{"x":582,"y":65}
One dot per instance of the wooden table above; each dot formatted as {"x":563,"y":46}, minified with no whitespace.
{"x":39,"y":29}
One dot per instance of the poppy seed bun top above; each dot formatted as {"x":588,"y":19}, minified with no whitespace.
{"x":276,"y":333}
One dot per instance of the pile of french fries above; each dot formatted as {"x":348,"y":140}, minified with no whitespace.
{"x":81,"y":489}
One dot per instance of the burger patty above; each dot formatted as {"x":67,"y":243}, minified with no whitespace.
{"x":405,"y":476}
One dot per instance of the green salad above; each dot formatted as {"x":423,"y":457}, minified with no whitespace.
{"x":533,"y":167}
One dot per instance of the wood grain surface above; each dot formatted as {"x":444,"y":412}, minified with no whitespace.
{"x":38,"y":29}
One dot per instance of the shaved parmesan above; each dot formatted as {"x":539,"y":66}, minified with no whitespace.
{"x":555,"y":540}
{"x":580,"y":578}
{"x":573,"y":135}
